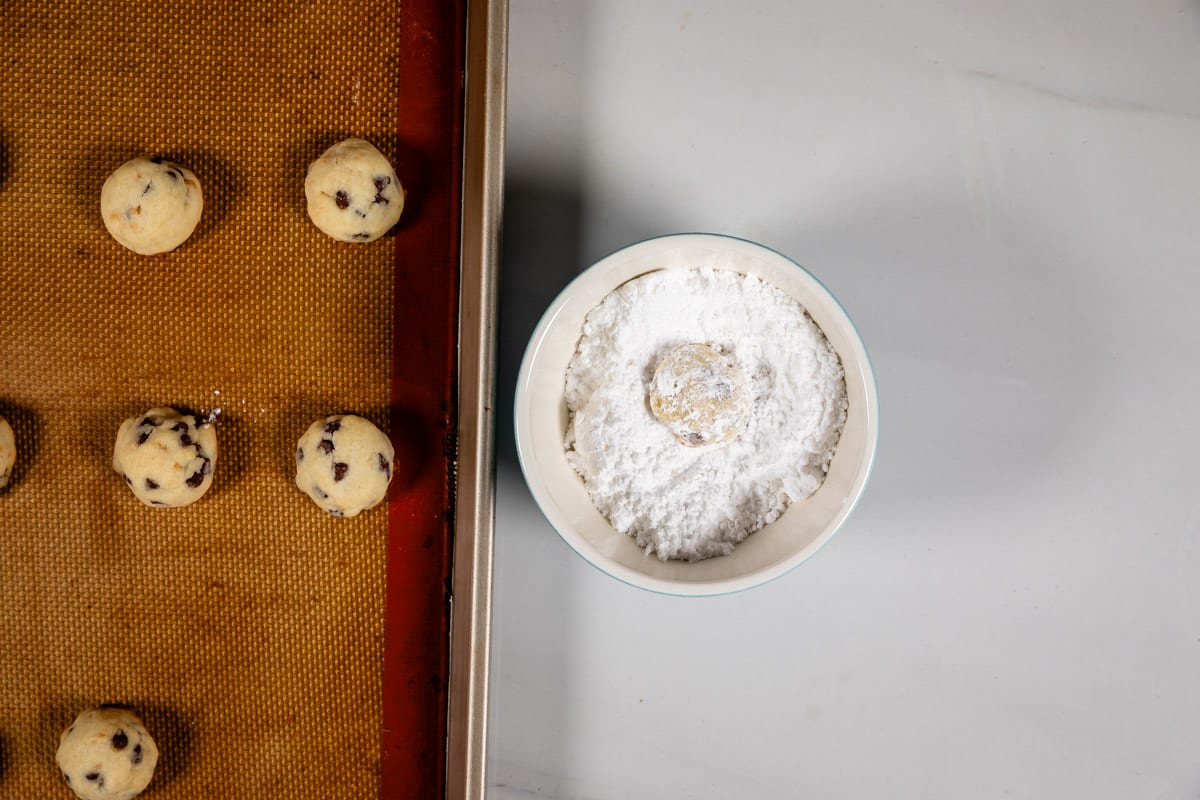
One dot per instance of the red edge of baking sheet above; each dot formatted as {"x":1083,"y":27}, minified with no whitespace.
{"x":417,"y":608}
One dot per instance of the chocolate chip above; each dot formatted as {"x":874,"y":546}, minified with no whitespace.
{"x":150,"y":484}
{"x":135,"y":757}
{"x":325,"y":446}
{"x":197,"y":477}
{"x":299,"y":454}
{"x":336,"y":512}
{"x":67,"y":778}
{"x":179,"y":427}
{"x":342,"y":199}
{"x":186,"y":440}
{"x":156,"y":159}
{"x":94,"y":777}
{"x":360,"y":214}
{"x":119,"y":740}
{"x":379,"y":198}
{"x":174,"y":174}
{"x":157,"y":503}
{"x":150,"y":421}
{"x":142,"y":437}
{"x":333,"y":426}
{"x":384,"y":465}
{"x":340,"y":468}
{"x":382,"y":182}
{"x":127,"y":479}
{"x":362,"y":236}
{"x":149,"y":186}
{"x":693,"y":439}
{"x":319,"y":492}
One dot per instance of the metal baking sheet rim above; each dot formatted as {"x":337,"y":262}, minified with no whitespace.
{"x":474,"y":511}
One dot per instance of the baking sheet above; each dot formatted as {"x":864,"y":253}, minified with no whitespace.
{"x":248,"y":629}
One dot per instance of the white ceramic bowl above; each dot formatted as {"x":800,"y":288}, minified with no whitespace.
{"x":541,"y":420}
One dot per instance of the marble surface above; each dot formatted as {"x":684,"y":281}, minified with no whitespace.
{"x":1006,"y":198}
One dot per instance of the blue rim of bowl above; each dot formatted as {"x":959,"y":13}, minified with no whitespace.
{"x":538,"y":334}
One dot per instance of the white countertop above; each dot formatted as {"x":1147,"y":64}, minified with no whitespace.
{"x":1006,"y":198}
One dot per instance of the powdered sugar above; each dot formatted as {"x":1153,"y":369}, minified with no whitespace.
{"x":696,"y":502}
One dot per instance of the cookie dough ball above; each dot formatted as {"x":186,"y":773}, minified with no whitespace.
{"x":107,"y":754}
{"x":353,"y":192}
{"x":700,"y":395}
{"x":150,"y":205}
{"x":8,"y":452}
{"x":344,"y":463}
{"x":166,"y":458}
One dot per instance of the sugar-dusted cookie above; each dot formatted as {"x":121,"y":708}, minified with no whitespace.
{"x":700,"y":395}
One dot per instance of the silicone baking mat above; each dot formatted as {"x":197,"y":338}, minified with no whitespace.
{"x":249,"y":629}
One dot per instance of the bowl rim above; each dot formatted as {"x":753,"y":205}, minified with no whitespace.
{"x":699,"y":588}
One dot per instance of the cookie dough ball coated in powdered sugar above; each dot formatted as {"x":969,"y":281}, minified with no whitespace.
{"x":167,"y":458}
{"x":8,"y":452}
{"x":344,"y":463}
{"x":107,"y":754}
{"x":700,"y":395}
{"x":353,"y":192}
{"x":150,"y":205}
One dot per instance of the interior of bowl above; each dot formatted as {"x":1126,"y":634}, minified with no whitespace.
{"x":541,"y":421}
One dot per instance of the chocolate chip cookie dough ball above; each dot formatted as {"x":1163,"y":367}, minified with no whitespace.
{"x":166,"y":458}
{"x":353,"y":193}
{"x":106,"y":754}
{"x":700,"y":395}
{"x":8,"y":452}
{"x":344,"y":463}
{"x":150,"y":205}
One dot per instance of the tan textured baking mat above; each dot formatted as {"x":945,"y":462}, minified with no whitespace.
{"x":247,"y":628}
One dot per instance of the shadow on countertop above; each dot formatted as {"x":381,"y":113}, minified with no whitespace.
{"x":540,"y":256}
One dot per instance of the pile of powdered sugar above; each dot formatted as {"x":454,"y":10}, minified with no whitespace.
{"x":696,"y":502}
